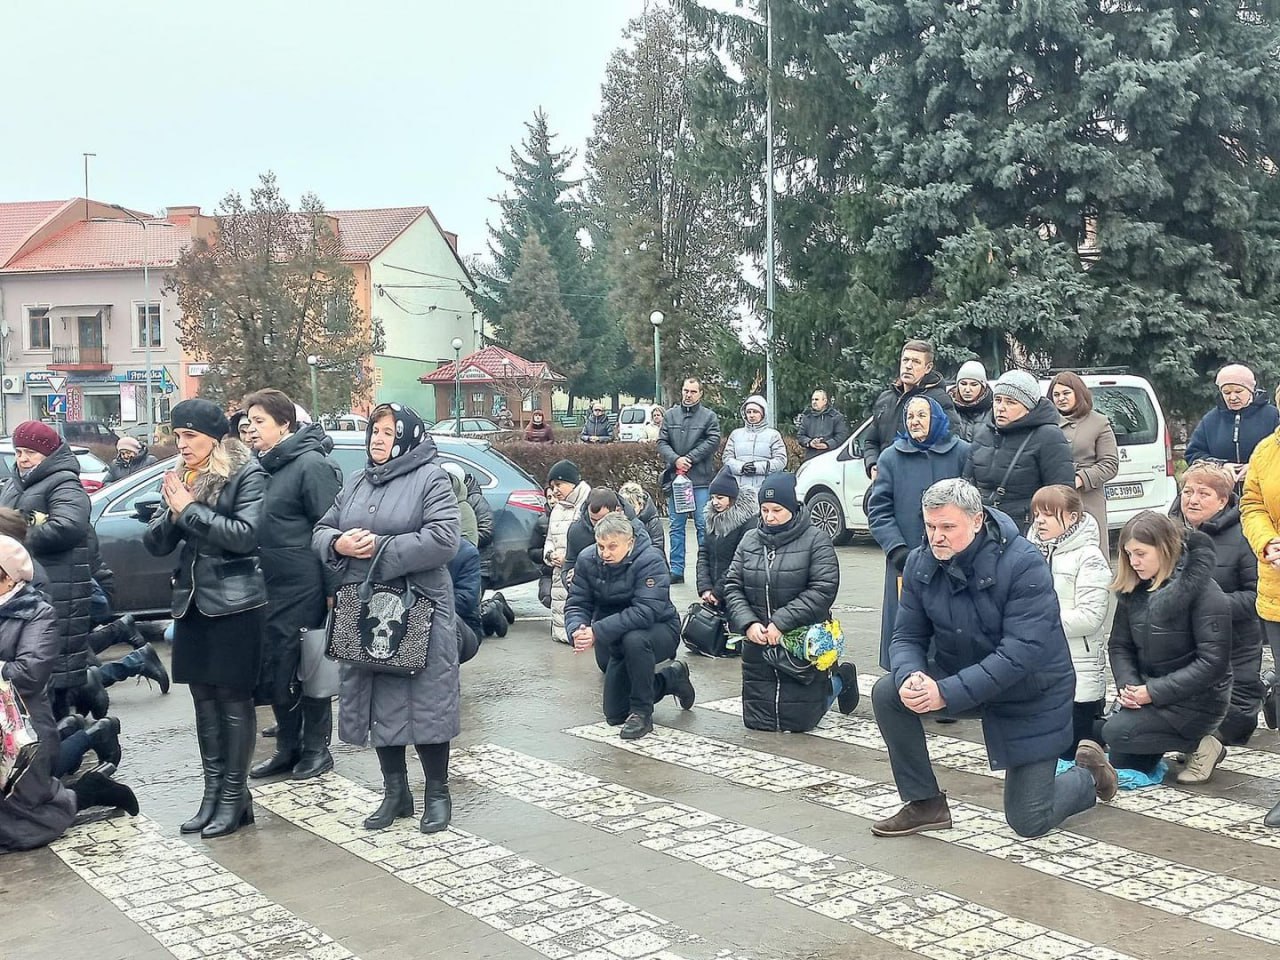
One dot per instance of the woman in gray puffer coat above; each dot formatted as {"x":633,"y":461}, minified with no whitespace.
{"x":403,"y":496}
{"x":46,"y":489}
{"x":754,"y":450}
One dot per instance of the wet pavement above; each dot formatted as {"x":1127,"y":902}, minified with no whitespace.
{"x":702,"y":840}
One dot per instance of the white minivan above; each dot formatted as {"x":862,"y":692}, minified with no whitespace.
{"x":634,"y":421}
{"x":834,"y":485}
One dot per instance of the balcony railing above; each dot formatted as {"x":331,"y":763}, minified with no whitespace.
{"x":80,"y":356}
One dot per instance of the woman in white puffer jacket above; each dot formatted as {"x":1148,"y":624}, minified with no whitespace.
{"x":1068,"y":538}
{"x":565,"y":481}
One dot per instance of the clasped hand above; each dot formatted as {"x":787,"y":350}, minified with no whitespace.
{"x":175,"y":493}
{"x":357,"y":543}
{"x":583,"y":638}
{"x":764,"y":635}
{"x":1134,"y":697}
{"x":920,"y":693}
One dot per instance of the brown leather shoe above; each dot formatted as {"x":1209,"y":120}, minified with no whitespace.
{"x":1093,"y":758}
{"x":915,"y":817}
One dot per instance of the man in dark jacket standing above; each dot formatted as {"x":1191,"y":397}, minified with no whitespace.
{"x":131,"y":456}
{"x":620,"y":603}
{"x":916,"y":377}
{"x":1243,"y":418}
{"x":822,"y":427}
{"x":1022,"y":450}
{"x":596,"y":427}
{"x":687,"y":442}
{"x":982,"y":597}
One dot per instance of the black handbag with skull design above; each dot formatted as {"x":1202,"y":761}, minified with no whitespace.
{"x":385,"y":627}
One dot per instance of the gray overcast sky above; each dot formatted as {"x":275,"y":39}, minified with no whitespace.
{"x":372,"y":104}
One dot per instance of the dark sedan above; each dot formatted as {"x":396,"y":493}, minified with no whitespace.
{"x":120,"y":511}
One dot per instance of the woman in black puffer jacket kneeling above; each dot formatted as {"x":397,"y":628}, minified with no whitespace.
{"x":784,"y":576}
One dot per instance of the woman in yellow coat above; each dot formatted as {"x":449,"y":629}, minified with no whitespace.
{"x":1260,"y":519}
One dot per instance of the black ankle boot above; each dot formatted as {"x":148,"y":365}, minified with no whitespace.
{"x":72,"y":723}
{"x":95,"y":790}
{"x":492,"y":619}
{"x":438,"y":808}
{"x":104,"y":737}
{"x":317,"y":726}
{"x":397,"y":802}
{"x":153,"y":667}
{"x":288,"y":743}
{"x":92,"y":699}
{"x":209,"y":738}
{"x":235,"y":805}
{"x":506,"y":607}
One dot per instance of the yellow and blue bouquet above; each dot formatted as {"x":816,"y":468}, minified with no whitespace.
{"x":820,"y":644}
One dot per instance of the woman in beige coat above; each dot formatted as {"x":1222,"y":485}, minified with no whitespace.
{"x":1093,"y":445}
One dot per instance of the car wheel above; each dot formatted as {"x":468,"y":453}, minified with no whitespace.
{"x":827,"y":515}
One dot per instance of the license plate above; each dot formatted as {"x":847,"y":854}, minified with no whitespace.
{"x":1123,"y":491}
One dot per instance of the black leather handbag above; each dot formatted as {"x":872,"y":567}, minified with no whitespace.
{"x":704,"y":630}
{"x":788,"y":665}
{"x":383,"y":627}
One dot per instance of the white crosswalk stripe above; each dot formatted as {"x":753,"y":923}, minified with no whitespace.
{"x":552,"y":914}
{"x":1221,"y":816}
{"x":195,"y":908}
{"x":1219,"y":901}
{"x":937,"y":924}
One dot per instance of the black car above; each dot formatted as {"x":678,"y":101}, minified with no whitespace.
{"x":120,"y":513}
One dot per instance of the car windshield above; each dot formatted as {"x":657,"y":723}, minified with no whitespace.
{"x":89,"y":463}
{"x":1132,"y":416}
{"x":633,"y":415}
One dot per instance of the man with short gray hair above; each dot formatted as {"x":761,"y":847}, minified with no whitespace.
{"x":982,"y":597}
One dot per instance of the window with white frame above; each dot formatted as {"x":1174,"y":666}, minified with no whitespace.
{"x":146,"y":326}
{"x":39,"y":329}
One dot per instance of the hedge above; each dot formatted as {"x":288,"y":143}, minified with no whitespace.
{"x":606,"y":464}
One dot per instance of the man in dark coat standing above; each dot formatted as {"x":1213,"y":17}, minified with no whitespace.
{"x":983,"y":597}
{"x":596,"y":427}
{"x":916,"y":377}
{"x":687,"y":442}
{"x":822,"y":427}
{"x":620,"y":603}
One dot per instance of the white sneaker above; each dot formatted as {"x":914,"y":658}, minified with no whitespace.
{"x":1201,"y":764}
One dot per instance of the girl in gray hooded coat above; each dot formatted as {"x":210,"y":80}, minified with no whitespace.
{"x":754,"y":450}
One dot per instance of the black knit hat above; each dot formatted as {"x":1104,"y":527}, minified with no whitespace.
{"x":725,"y":484}
{"x":202,"y":416}
{"x":564,"y":471}
{"x":780,"y":488}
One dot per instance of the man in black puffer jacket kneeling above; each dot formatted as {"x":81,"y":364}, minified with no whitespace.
{"x":620,"y":603}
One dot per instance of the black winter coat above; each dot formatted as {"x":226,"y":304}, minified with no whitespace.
{"x":971,"y":417}
{"x":652,"y":520}
{"x":219,"y":536}
{"x":788,"y":577}
{"x":483,"y":512}
{"x":596,"y":429}
{"x":1046,"y":459}
{"x":302,"y":485}
{"x":724,"y":532}
{"x":692,"y":432}
{"x":1177,"y":641}
{"x":888,"y":414}
{"x":60,"y":541}
{"x":616,"y":598}
{"x":120,"y":469}
{"x":829,"y":426}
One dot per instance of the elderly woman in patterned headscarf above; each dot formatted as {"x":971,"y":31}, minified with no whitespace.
{"x":404,"y":498}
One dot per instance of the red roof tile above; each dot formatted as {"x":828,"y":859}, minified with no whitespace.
{"x":366,"y":233}
{"x":489,"y":361}
{"x":19,"y":220}
{"x":102,"y":245}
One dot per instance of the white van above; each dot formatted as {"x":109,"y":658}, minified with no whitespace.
{"x":634,"y":421}
{"x":833,"y":485}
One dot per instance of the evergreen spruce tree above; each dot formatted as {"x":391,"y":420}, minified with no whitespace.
{"x":1080,"y":181}
{"x":539,"y":326}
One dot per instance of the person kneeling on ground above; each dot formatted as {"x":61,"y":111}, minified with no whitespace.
{"x":984,"y":596}
{"x":620,"y":603}
{"x":784,"y":576}
{"x":39,"y":809}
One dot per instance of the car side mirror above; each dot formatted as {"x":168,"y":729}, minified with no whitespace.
{"x":145,"y":508}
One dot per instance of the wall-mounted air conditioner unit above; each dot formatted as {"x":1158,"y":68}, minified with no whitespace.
{"x":11,"y":384}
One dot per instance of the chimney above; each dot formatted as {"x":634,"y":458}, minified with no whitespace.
{"x":172,"y":212}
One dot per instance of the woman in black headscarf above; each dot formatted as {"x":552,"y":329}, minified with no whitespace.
{"x":402,"y":496}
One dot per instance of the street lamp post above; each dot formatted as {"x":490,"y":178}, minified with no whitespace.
{"x":457,"y":385}
{"x":314,"y":362}
{"x":656,"y":319}
{"x":146,"y":313}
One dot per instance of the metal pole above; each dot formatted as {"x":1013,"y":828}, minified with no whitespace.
{"x":457,"y":391}
{"x":769,"y":391}
{"x":146,"y":313}
{"x":315,"y":394}
{"x":657,"y":366}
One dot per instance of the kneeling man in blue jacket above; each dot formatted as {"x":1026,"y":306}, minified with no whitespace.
{"x":982,"y":597}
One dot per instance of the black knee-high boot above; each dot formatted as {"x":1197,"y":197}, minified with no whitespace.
{"x":288,"y":742}
{"x":397,"y":801}
{"x":438,"y":808}
{"x":317,"y":727}
{"x":235,"y":805}
{"x":212,"y":762}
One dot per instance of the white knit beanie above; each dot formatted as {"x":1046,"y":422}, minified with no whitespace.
{"x":972,"y":370}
